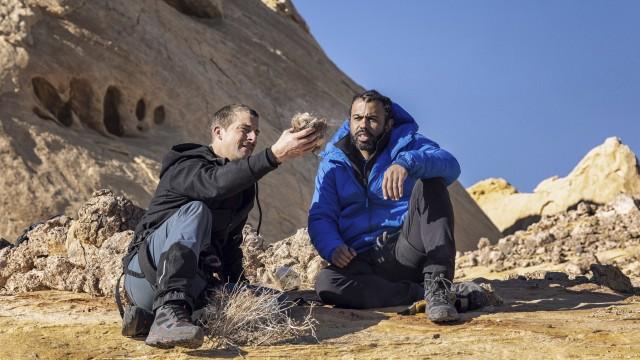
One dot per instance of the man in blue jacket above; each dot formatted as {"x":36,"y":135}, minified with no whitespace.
{"x":381,"y":213}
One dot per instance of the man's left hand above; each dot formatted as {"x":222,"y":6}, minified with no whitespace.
{"x":393,"y":182}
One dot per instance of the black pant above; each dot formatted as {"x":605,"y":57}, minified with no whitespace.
{"x":392,"y":273}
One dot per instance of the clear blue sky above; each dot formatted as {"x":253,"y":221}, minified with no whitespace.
{"x":515,"y":89}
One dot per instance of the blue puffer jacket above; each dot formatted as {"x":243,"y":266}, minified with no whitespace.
{"x":344,"y":212}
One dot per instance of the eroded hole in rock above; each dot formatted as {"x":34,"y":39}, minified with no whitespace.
{"x":111,"y":114}
{"x":50,"y":99}
{"x":158,"y":115}
{"x":64,"y":115}
{"x":141,"y":110}
{"x":42,"y":114}
{"x":80,"y":98}
{"x":47,"y":94}
{"x":205,"y":9}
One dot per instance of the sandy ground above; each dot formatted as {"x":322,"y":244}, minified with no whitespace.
{"x":539,"y":319}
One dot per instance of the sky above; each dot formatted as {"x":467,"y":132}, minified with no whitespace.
{"x":520,"y":90}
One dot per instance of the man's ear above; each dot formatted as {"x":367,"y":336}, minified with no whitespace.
{"x":216,"y":132}
{"x":389,"y":124}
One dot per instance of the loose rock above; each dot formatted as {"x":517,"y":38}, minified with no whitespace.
{"x":611,"y":277}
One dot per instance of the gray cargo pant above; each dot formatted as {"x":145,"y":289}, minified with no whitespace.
{"x":174,"y":249}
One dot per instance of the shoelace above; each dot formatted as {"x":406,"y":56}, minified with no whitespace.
{"x":439,"y":289}
{"x":180,"y":313}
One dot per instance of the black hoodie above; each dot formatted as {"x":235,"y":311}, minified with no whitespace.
{"x":194,"y":172}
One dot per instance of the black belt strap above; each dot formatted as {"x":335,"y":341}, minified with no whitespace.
{"x":117,"y":295}
{"x":146,"y":264}
{"x":148,"y":271}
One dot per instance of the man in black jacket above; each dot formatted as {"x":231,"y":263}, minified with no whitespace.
{"x":193,"y":227}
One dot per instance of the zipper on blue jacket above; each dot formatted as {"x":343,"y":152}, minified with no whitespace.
{"x":365,"y":179}
{"x":366,"y":193}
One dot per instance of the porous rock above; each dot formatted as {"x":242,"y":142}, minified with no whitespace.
{"x":293,"y":257}
{"x":83,"y":255}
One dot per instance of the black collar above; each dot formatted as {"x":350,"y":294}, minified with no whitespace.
{"x":362,"y":166}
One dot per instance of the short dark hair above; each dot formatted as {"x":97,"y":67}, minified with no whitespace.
{"x":373,"y":95}
{"x":226,"y":115}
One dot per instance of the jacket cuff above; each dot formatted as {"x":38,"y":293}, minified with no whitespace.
{"x":259,"y":164}
{"x":404,"y":163}
{"x":327,"y":251}
{"x":271,"y":158}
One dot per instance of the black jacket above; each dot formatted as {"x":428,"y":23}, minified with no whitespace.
{"x":194,"y":172}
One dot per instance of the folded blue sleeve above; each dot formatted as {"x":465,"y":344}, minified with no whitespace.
{"x":424,"y":159}
{"x":324,"y":212}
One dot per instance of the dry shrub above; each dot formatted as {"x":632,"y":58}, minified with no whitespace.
{"x":238,"y":316}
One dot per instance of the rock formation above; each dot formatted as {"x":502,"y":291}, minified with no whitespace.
{"x":470,"y":220}
{"x":569,"y":239}
{"x":93,"y":93}
{"x":82,"y":255}
{"x":606,"y":171}
{"x":289,"y":264}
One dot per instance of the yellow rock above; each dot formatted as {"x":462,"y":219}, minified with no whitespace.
{"x":606,"y":171}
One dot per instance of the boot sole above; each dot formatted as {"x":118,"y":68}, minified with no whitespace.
{"x":445,"y":320}
{"x":168,"y":342}
{"x":189,"y":344}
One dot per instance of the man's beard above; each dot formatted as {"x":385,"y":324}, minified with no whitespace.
{"x":369,"y":145}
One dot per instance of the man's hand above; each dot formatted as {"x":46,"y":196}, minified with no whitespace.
{"x":393,"y":182}
{"x":291,"y":145}
{"x":342,"y":256}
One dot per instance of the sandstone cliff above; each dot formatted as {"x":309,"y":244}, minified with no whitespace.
{"x":606,"y":171}
{"x":92,"y":94}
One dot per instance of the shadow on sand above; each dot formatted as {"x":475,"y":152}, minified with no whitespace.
{"x":518,"y":295}
{"x":533,"y":295}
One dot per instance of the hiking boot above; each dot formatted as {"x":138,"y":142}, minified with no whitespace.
{"x":172,"y":326}
{"x":440,"y":300}
{"x":136,"y":321}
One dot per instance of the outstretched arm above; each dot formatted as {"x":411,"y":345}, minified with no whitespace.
{"x":198,"y":179}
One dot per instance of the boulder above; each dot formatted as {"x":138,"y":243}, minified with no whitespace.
{"x":104,"y":215}
{"x":83,"y":255}
{"x":605,"y":172}
{"x":287,"y":264}
{"x":611,"y":277}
